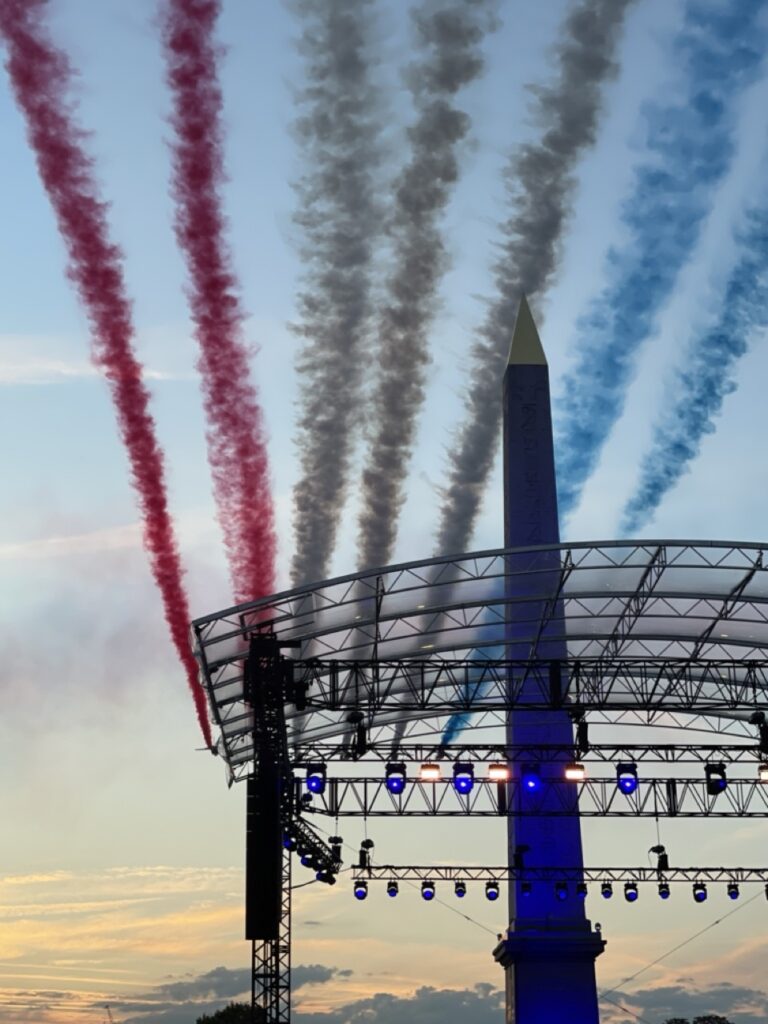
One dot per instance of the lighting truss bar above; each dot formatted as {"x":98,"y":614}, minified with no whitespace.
{"x":449,"y":685}
{"x":684,"y":798}
{"x":606,"y":753}
{"x":464,"y":873}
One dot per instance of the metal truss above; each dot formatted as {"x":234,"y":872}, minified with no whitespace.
{"x":601,"y":753}
{"x":684,"y":798}
{"x":475,"y":873}
{"x":271,"y":963}
{"x":686,"y":610}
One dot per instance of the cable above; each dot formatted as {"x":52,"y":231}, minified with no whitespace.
{"x":679,"y":946}
{"x":626,"y":1009}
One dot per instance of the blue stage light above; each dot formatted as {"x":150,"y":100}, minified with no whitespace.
{"x":561,"y":891}
{"x":463,"y":777}
{"x":715,"y":776}
{"x":393,"y":888}
{"x":733,"y":891}
{"x":606,"y":890}
{"x":699,"y":892}
{"x":289,"y":842}
{"x":630,"y":892}
{"x":361,"y":889}
{"x":307,"y":860}
{"x":664,"y":890}
{"x":316,"y":778}
{"x":460,"y":888}
{"x":581,"y":890}
{"x":427,"y":890}
{"x":492,"y":890}
{"x":395,"y":777}
{"x":531,"y":778}
{"x":526,"y":888}
{"x":626,"y":777}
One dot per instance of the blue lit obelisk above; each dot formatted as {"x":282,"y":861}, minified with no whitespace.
{"x":550,"y":949}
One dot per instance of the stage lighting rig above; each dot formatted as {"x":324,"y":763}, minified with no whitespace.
{"x":716,"y":779}
{"x":575,"y":772}
{"x":427,"y":891}
{"x":492,"y":890}
{"x":561,"y":890}
{"x":463,"y":777}
{"x":316,"y":778}
{"x":606,"y":890}
{"x":626,"y":777}
{"x":664,"y":890}
{"x":630,"y":892}
{"x":392,"y":888}
{"x":531,"y":778}
{"x":699,"y":892}
{"x":395,"y":777}
{"x":361,"y":889}
{"x":460,"y":889}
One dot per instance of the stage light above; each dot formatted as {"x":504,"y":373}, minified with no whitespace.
{"x":715,"y":776}
{"x":766,"y":890}
{"x":664,"y":890}
{"x":460,"y":888}
{"x":491,"y":890}
{"x":427,"y":890}
{"x":323,"y":875}
{"x":395,"y":777}
{"x":762,"y":772}
{"x":630,"y":892}
{"x":526,"y":889}
{"x":361,"y":889}
{"x":392,"y":888}
{"x":581,"y":889}
{"x":316,"y":778}
{"x":531,"y":778}
{"x":463,"y":777}
{"x":430,"y":772}
{"x":733,"y":891}
{"x":699,"y":892}
{"x":606,"y":890}
{"x":561,"y":890}
{"x":575,"y":772}
{"x":626,"y":777}
{"x":289,"y":842}
{"x":498,"y":772}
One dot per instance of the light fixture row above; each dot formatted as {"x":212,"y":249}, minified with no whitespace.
{"x":530,"y":776}
{"x":561,"y":890}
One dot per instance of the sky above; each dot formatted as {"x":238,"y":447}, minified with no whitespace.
{"x":121,"y":849}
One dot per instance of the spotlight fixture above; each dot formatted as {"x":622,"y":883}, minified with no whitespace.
{"x":395,"y":777}
{"x":361,"y":889}
{"x":575,"y":772}
{"x":664,"y":890}
{"x":626,"y":777}
{"x":492,"y":890}
{"x":606,"y":890}
{"x":460,"y":888}
{"x":715,"y":776}
{"x":427,"y":891}
{"x":630,"y":892}
{"x":498,"y":771}
{"x":289,"y":842}
{"x":581,"y":889}
{"x":561,"y":890}
{"x":430,"y":772}
{"x":699,"y":892}
{"x":307,"y":860}
{"x":762,"y":772}
{"x":392,"y":888}
{"x":733,"y":891}
{"x":531,"y":778}
{"x":316,"y":778}
{"x":326,"y":876}
{"x":463,"y":777}
{"x":526,"y":888}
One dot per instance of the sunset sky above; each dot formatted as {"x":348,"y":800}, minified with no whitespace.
{"x":121,"y":847}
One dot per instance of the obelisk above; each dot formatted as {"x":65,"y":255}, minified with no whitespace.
{"x":550,"y":948}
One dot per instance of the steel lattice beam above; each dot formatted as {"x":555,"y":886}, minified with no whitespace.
{"x":475,"y":873}
{"x":684,"y":798}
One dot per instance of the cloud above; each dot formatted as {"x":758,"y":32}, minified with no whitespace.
{"x":739,"y":1004}
{"x":481,"y":1005}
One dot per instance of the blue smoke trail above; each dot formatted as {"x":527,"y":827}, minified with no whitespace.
{"x":701,"y":387}
{"x":719,"y":49}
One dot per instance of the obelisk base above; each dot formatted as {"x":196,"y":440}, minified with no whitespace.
{"x":550,"y":973}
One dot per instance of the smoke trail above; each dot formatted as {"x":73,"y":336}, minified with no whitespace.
{"x":720,"y":49}
{"x":41,"y":78}
{"x":540,"y":182}
{"x":338,"y":212}
{"x":707,"y":377}
{"x":450,"y":36}
{"x":237,"y":449}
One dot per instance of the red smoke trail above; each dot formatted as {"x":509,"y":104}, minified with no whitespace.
{"x":236,"y":440}
{"x":41,"y":76}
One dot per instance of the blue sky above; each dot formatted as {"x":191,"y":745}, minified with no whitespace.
{"x":97,"y":743}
